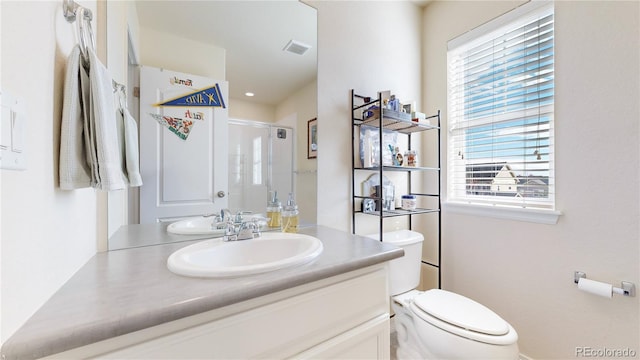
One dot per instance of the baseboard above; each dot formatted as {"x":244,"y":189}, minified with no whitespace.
{"x":524,"y":357}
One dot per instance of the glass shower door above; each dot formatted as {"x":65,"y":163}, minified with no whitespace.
{"x":260,"y":161}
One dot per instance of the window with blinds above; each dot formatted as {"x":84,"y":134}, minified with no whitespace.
{"x":500,"y":111}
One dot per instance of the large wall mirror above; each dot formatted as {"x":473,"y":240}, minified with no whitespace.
{"x":260,"y":43}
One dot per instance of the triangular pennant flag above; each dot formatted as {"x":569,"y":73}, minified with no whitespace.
{"x":178,"y":126}
{"x":210,"y":97}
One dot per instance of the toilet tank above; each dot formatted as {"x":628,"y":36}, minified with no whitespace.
{"x":404,"y":272}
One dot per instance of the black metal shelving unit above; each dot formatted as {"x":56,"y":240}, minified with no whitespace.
{"x":381,"y":121}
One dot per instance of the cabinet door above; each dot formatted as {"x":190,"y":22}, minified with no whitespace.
{"x":367,"y":341}
{"x":183,"y":144}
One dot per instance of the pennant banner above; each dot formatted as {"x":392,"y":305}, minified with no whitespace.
{"x":210,"y":97}
{"x":178,"y":126}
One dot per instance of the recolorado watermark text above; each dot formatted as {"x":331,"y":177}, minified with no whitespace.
{"x":604,"y":352}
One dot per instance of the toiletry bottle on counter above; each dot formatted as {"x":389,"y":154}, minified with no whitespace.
{"x":290,"y":216}
{"x":274,"y":211}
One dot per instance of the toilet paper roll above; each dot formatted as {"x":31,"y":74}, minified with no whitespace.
{"x":596,"y":287}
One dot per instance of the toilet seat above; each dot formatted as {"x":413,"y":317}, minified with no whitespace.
{"x":463,"y":317}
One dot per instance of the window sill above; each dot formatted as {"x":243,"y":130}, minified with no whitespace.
{"x":549,"y":217}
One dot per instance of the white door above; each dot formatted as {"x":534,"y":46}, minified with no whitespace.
{"x":183,"y":145}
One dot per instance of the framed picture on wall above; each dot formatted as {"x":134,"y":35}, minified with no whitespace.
{"x":312,"y":138}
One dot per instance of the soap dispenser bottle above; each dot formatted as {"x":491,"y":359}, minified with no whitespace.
{"x":274,"y":211}
{"x":290,"y":216}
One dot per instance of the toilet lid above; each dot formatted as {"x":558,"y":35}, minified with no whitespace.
{"x":461,"y":311}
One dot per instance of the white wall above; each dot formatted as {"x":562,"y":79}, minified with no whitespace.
{"x":367,"y":46}
{"x":524,"y":271}
{"x":295,"y":112}
{"x":303,"y":102}
{"x":46,"y":233}
{"x":244,"y":110}
{"x":204,"y":60}
{"x":121,"y":17}
{"x":1,"y":332}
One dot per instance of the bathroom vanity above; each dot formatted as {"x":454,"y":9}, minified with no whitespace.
{"x":127,"y":304}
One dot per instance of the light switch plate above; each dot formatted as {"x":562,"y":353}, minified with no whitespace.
{"x":13,"y":128}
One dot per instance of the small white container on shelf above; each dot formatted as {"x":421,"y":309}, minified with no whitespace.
{"x":408,"y":202}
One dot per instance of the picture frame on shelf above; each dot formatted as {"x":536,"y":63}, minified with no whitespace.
{"x":408,"y":107}
{"x":312,"y":138}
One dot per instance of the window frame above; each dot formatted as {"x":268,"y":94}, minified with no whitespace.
{"x":547,"y":214}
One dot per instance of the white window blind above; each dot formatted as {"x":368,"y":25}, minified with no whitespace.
{"x":500,"y":111}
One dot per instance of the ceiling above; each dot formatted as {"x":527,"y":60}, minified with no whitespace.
{"x":253,"y":33}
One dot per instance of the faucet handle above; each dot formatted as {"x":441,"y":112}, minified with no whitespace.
{"x":239,"y":215}
{"x":218,"y":223}
{"x":219,"y":219}
{"x":254,"y":226}
{"x":231,"y":231}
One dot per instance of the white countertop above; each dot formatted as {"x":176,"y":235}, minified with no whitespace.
{"x":123,"y":291}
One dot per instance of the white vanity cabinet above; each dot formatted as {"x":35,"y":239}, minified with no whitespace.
{"x":344,"y":316}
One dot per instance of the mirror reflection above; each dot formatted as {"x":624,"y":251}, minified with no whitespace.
{"x":264,"y":49}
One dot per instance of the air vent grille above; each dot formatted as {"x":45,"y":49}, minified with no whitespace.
{"x":296,"y":47}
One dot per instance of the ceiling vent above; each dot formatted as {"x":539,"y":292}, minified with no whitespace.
{"x":296,"y":47}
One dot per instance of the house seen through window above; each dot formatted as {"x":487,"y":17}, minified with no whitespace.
{"x":500,"y":111}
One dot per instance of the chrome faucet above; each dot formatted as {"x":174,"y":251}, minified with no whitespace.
{"x":239,"y":229}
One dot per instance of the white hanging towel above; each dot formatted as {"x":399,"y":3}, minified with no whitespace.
{"x":98,"y":145}
{"x":88,"y":130}
{"x":128,"y":138}
{"x":74,"y":171}
{"x":130,"y":151}
{"x":102,"y":122}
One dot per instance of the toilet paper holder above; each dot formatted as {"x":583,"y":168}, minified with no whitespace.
{"x":626,"y":288}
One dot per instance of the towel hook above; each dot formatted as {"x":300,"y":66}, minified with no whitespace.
{"x":70,"y":9}
{"x":83,"y":32}
{"x":121,"y":92}
{"x":72,"y":12}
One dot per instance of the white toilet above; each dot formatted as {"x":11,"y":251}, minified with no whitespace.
{"x":438,"y":324}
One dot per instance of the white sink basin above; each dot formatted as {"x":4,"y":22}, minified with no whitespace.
{"x":219,"y":259}
{"x":194,"y":226}
{"x":202,"y":226}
